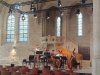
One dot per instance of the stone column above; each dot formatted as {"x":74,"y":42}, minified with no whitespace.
{"x":96,"y":38}
{"x":64,"y":28}
{"x":1,"y":22}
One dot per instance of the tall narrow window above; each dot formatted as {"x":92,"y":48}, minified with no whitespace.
{"x":80,"y":24}
{"x":10,"y":28}
{"x":58,"y":27}
{"x":23,"y":28}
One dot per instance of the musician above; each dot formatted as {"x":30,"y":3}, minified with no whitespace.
{"x":24,"y":62}
{"x":46,"y":56}
{"x":74,"y":61}
{"x":52,"y":53}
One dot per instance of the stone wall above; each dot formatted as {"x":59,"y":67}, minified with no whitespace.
{"x":23,"y":50}
{"x":86,"y":39}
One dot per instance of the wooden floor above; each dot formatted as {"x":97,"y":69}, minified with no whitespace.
{"x":88,"y":70}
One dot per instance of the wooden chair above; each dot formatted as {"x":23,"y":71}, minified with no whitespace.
{"x":34,"y":71}
{"x":46,"y":71}
{"x":1,"y":67}
{"x":5,"y":72}
{"x":16,"y":68}
{"x":58,"y":72}
{"x":23,"y":70}
{"x":16,"y":73}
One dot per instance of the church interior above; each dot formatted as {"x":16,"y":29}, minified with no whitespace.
{"x":49,"y":37}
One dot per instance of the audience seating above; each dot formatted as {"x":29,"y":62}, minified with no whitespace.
{"x":23,"y":70}
{"x":5,"y":72}
{"x":59,"y":72}
{"x":16,"y":70}
{"x":16,"y":73}
{"x":34,"y":71}
{"x":46,"y":71}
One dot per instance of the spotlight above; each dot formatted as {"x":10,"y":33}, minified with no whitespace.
{"x":35,"y":15}
{"x":77,"y":11}
{"x":33,"y":8}
{"x":59,"y":3}
{"x":83,"y":1}
{"x":23,"y":17}
{"x":10,"y":10}
{"x":48,"y":15}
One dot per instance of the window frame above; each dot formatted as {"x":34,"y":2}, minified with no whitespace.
{"x":23,"y":23}
{"x":80,"y":24}
{"x":9,"y":27}
{"x":60,"y":26}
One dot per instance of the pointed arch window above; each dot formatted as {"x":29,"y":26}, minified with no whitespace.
{"x":58,"y":27}
{"x":23,"y":28}
{"x":10,"y":28}
{"x":80,"y":24}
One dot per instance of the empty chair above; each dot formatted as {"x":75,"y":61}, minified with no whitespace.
{"x":24,"y":62}
{"x":5,"y":72}
{"x":73,"y":73}
{"x":1,"y":67}
{"x":23,"y":70}
{"x":70,"y":72}
{"x":7,"y":67}
{"x":34,"y":71}
{"x":16,"y":73}
{"x":58,"y":72}
{"x":16,"y":68}
{"x":46,"y":71}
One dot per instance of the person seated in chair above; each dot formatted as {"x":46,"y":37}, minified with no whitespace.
{"x":24,"y":62}
{"x":46,"y":56}
{"x":74,"y":62}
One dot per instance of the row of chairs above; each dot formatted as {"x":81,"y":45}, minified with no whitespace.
{"x":17,"y":70}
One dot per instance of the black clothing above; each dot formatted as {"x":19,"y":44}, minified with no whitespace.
{"x":74,"y":62}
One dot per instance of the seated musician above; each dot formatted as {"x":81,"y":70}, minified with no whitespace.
{"x":46,"y":56}
{"x":24,"y":62}
{"x":58,"y":63}
{"x":52,"y":53}
{"x":74,"y":62}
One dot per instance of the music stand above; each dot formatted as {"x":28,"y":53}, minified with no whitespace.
{"x":31,"y":58}
{"x":39,"y":52}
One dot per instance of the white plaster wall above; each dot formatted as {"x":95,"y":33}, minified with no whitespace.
{"x":23,"y":50}
{"x":73,"y":34}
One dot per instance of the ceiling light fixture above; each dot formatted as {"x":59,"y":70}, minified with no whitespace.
{"x":33,"y":8}
{"x":35,"y":15}
{"x":59,"y":3}
{"x":83,"y":1}
{"x":47,"y":15}
{"x":23,"y":17}
{"x":77,"y":11}
{"x":10,"y":10}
